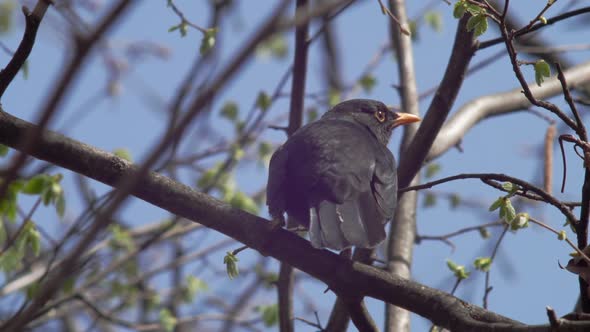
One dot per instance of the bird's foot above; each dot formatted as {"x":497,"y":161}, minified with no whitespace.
{"x":277,"y":222}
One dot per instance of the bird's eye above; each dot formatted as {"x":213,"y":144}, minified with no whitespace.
{"x":380,"y":116}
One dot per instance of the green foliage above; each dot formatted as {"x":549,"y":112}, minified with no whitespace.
{"x":542,"y":70}
{"x":484,"y":233}
{"x":230,"y":111}
{"x":561,"y":235}
{"x":434,"y":20}
{"x":270,"y":314}
{"x":520,"y":221}
{"x":478,"y":23}
{"x":182,"y":27}
{"x":483,"y":263}
{"x":6,"y":12}
{"x":167,"y":320}
{"x":333,"y":97}
{"x":263,"y":101}
{"x":454,"y":200}
{"x":3,"y":150}
{"x":208,"y":40}
{"x":432,"y":169}
{"x":312,"y":114}
{"x":368,"y":82}
{"x":123,"y":154}
{"x":193,"y":286}
{"x":48,"y":187}
{"x":458,"y":270}
{"x":265,"y":151}
{"x":429,"y":200}
{"x":275,"y":46}
{"x":8,"y":206}
{"x":231,"y":265}
{"x":30,"y":237}
{"x":121,"y":238}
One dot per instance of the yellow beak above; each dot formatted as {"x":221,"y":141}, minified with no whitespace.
{"x":403,"y":119}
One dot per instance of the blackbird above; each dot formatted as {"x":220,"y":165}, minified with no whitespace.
{"x":336,"y":177}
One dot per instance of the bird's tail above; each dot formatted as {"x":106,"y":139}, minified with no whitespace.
{"x":354,"y":223}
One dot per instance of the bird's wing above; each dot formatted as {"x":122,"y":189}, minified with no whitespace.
{"x":384,"y":184}
{"x":275,"y":192}
{"x":357,"y":186}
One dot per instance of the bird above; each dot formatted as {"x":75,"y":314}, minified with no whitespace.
{"x":336,"y":177}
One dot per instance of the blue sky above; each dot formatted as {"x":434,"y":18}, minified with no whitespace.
{"x":526,"y":275}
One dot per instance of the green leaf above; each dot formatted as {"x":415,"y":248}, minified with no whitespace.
{"x":193,"y":286}
{"x":561,"y":235}
{"x":275,"y":46}
{"x":263,"y":101}
{"x":270,"y":314}
{"x":520,"y":221}
{"x":509,"y":212}
{"x":244,"y":202}
{"x":484,"y":232}
{"x":60,"y":205}
{"x":434,"y":20}
{"x":208,"y":40}
{"x":333,"y":97}
{"x":231,"y":265}
{"x":455,"y":200}
{"x":167,"y":320}
{"x":477,"y":23}
{"x":483,"y":263}
{"x":429,"y":200}
{"x":542,"y":70}
{"x":264,"y":151}
{"x":121,"y":238}
{"x":312,"y":114}
{"x":6,"y":12}
{"x":459,"y":9}
{"x":497,"y":203}
{"x":368,"y":82}
{"x":37,"y":184}
{"x":3,"y":150}
{"x":474,"y":9}
{"x":123,"y":154}
{"x":458,"y":270}
{"x":432,"y":169}
{"x":32,"y":237}
{"x":230,"y":111}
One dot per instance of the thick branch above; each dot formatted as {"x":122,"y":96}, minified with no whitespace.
{"x":463,"y":50}
{"x":402,"y":233}
{"x":501,"y":103}
{"x":340,"y":274}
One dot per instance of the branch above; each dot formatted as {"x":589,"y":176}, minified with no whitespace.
{"x":502,"y":177}
{"x":32,"y":21}
{"x":463,"y":50}
{"x":484,"y":107}
{"x":402,"y":230}
{"x":285,"y":281}
{"x":340,"y":274}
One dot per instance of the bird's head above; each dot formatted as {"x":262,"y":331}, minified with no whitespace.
{"x":374,"y":115}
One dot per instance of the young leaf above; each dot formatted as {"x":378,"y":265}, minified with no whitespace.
{"x":167,"y":320}
{"x":542,"y":70}
{"x":270,"y":314}
{"x":483,"y":263}
{"x":432,"y":169}
{"x":434,"y":20}
{"x":263,"y":101}
{"x":123,"y":154}
{"x":230,"y":111}
{"x":478,"y":23}
{"x":497,"y":203}
{"x":231,"y":265}
{"x":368,"y":82}
{"x":208,"y":40}
{"x":3,"y":150}
{"x":458,"y":270}
{"x":459,"y":9}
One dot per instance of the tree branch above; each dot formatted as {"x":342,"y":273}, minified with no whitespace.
{"x":484,"y":107}
{"x":340,"y":274}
